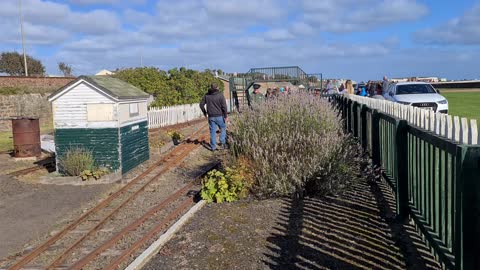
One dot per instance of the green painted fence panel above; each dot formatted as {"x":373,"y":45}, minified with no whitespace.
{"x":436,"y":181}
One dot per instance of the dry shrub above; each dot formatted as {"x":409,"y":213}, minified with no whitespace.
{"x":76,"y":160}
{"x":294,"y":145}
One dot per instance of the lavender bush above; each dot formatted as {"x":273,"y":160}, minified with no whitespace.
{"x":295,"y":144}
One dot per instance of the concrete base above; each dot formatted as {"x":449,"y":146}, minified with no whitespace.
{"x":77,"y":181}
{"x":25,"y":158}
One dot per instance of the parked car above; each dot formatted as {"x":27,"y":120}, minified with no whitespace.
{"x":418,"y":94}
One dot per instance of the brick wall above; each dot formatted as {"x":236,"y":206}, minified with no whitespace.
{"x":30,"y":105}
{"x":50,"y":83}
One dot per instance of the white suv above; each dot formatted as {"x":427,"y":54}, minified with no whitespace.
{"x":418,"y":94}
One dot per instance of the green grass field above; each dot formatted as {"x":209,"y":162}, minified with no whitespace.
{"x":6,"y":137}
{"x":464,"y":104}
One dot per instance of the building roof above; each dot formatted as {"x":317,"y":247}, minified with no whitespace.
{"x":113,"y":87}
{"x":223,"y":78}
{"x":104,"y":72}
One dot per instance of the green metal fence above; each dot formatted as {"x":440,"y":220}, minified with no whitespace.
{"x":436,"y":181}
{"x":294,"y":75}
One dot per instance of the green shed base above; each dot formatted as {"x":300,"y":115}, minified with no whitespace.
{"x":103,"y":142}
{"x":114,"y":148}
{"x":134,"y":145}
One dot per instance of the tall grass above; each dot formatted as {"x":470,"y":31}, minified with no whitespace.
{"x":76,"y":160}
{"x":295,"y":144}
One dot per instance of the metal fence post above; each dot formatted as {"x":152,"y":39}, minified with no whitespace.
{"x":375,"y":137}
{"x":467,"y":218}
{"x":363,"y":126}
{"x":401,"y":170}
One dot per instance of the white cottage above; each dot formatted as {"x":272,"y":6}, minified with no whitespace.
{"x":105,"y":115}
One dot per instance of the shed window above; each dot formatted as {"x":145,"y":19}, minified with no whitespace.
{"x":99,"y":112}
{"x":134,"y":109}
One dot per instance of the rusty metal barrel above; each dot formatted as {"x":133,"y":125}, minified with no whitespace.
{"x":26,"y":137}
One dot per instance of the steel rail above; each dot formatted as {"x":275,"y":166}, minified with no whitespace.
{"x":167,"y":167}
{"x":158,"y":228}
{"x":132,"y":226}
{"x":35,"y":253}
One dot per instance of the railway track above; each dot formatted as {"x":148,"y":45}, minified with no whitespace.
{"x":107,"y":235}
{"x":46,"y":164}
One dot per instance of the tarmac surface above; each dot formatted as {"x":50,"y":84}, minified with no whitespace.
{"x":29,"y":211}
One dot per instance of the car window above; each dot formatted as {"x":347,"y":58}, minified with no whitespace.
{"x":409,"y":89}
{"x":391,"y":88}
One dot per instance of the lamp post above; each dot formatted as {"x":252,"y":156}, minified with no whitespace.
{"x":23,"y":40}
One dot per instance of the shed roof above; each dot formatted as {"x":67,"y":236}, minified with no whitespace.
{"x":114,"y":87}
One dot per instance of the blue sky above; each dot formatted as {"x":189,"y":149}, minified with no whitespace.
{"x":358,"y":39}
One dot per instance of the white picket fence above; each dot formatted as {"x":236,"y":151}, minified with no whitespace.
{"x":167,"y":116}
{"x":461,"y":130}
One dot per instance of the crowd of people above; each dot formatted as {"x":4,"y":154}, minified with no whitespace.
{"x":373,"y":89}
{"x":258,"y":95}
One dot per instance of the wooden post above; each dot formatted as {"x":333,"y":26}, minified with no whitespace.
{"x":401,"y":170}
{"x":355,"y":118}
{"x":375,"y":138}
{"x":344,"y":108}
{"x":467,"y":218}
{"x":363,"y":121}
{"x":349,"y":116}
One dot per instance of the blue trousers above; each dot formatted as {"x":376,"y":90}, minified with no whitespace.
{"x":213,"y":123}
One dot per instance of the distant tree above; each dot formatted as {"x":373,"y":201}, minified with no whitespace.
{"x":220,"y":72}
{"x":12,"y":63}
{"x":177,"y":86}
{"x":65,"y":69}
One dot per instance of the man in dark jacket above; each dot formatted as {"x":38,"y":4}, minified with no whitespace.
{"x":216,"y":113}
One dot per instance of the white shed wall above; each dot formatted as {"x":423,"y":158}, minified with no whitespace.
{"x":124,"y":112}
{"x":70,"y":109}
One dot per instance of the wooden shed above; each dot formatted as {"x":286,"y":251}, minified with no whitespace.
{"x":105,"y":115}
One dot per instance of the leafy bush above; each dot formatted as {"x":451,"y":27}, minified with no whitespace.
{"x":95,"y":174}
{"x":174,"y":87}
{"x":223,"y":187}
{"x":76,"y":160}
{"x":295,"y":145}
{"x":158,"y":138}
{"x":175,"y":135}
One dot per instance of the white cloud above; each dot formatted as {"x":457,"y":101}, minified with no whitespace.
{"x":464,"y":30}
{"x":91,"y":2}
{"x":235,"y":35}
{"x":51,"y":14}
{"x":260,"y":10}
{"x":363,"y":15}
{"x":279,"y":35}
{"x":93,"y":22}
{"x":34,"y":34}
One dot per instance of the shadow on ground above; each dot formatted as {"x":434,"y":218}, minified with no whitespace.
{"x":356,"y":230}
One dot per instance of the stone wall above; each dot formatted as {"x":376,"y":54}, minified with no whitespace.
{"x":29,"y":105}
{"x":35,"y":83}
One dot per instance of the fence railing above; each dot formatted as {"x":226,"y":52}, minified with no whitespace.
{"x":166,"y":116}
{"x":461,"y":130}
{"x":436,"y":179}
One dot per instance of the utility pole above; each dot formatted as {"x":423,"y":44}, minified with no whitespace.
{"x":23,"y":40}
